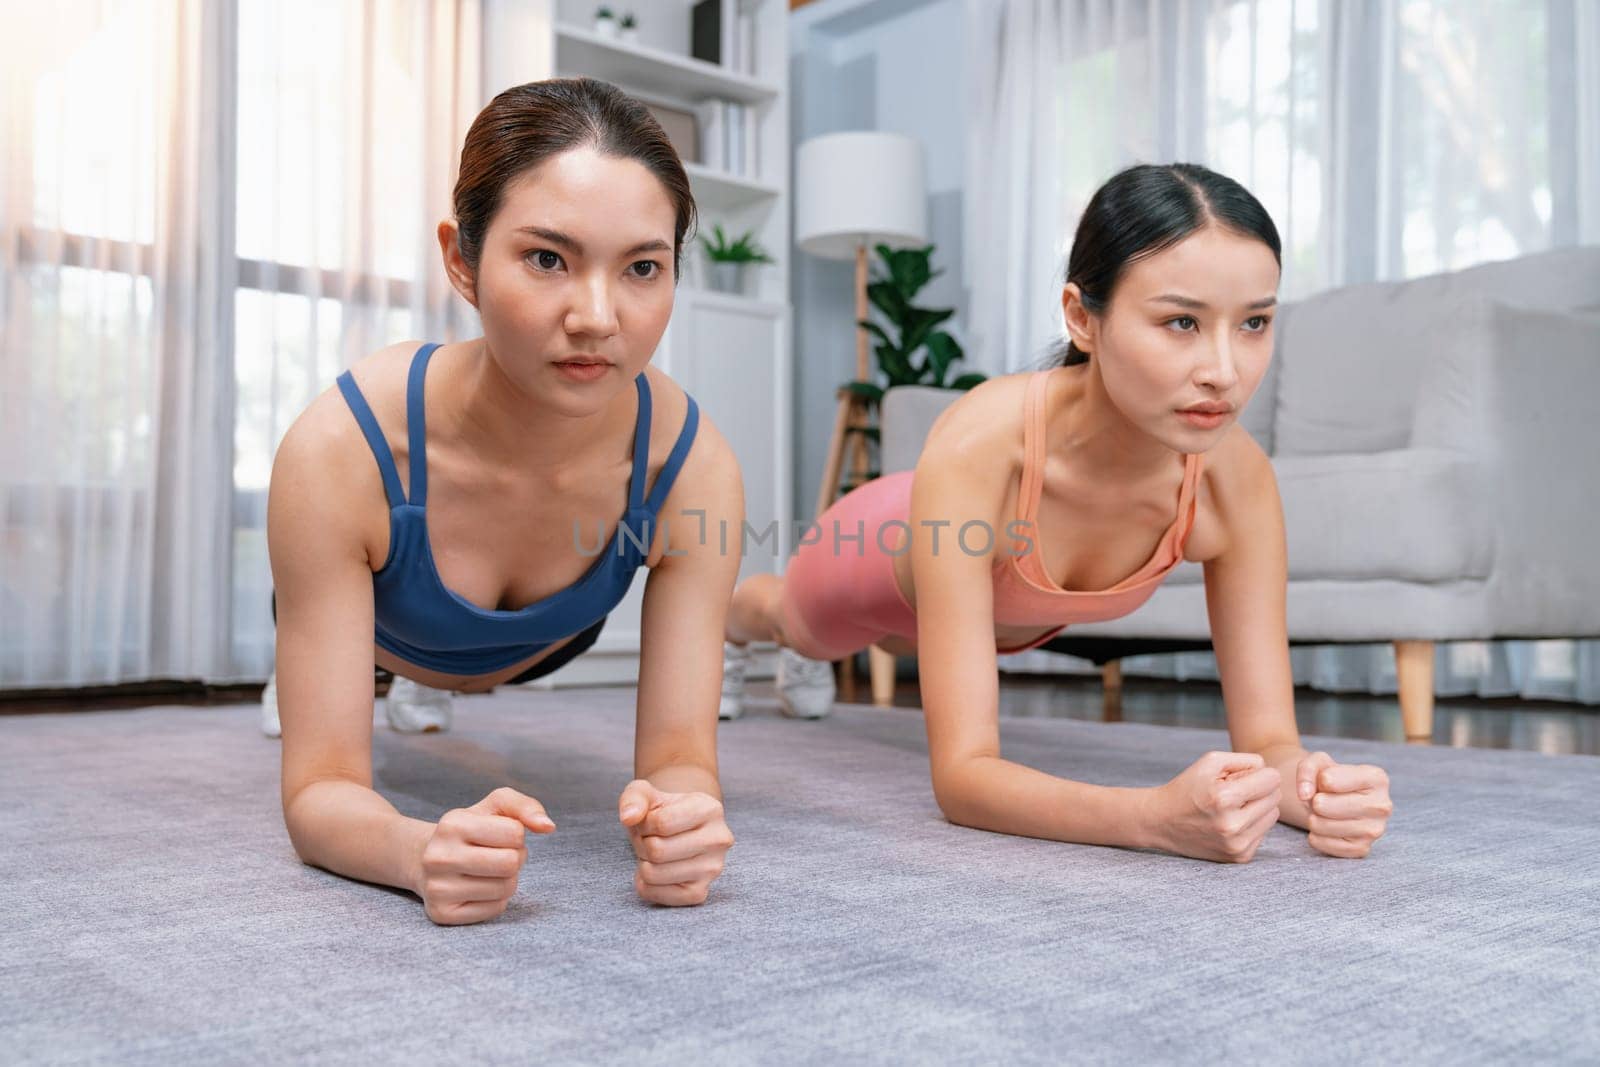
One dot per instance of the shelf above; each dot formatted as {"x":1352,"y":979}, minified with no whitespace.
{"x":707,"y":297}
{"x":650,"y":70}
{"x":715,"y":190}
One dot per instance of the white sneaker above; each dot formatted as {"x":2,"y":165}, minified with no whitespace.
{"x":417,"y":709}
{"x":269,"y":708}
{"x":805,"y":686}
{"x":735,"y":660}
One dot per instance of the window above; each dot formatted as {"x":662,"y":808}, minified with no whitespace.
{"x":298,"y":152}
{"x":334,"y":236}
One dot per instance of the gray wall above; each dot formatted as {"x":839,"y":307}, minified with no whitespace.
{"x":871,"y":65}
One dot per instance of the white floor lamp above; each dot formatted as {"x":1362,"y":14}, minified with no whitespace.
{"x":853,"y":191}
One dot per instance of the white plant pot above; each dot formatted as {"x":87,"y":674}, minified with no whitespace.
{"x":728,"y":277}
{"x":628,"y":34}
{"x":605,"y":27}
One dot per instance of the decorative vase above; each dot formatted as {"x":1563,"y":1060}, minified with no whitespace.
{"x":628,"y":34}
{"x":728,"y":277}
{"x":605,"y":26}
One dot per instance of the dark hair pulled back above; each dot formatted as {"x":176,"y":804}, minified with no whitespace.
{"x":1144,"y":209}
{"x":528,"y":124}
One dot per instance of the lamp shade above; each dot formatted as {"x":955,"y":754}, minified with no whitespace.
{"x":861,"y":187}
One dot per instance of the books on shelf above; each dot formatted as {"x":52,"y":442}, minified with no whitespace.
{"x":709,"y":115}
{"x":728,"y":135}
{"x":724,"y":32}
{"x":752,"y":144}
{"x":745,"y":35}
{"x":705,"y":31}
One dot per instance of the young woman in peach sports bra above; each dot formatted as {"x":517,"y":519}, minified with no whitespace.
{"x":1065,"y":496}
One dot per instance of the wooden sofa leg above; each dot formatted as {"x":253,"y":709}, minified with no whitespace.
{"x":1414,"y":670}
{"x":1111,"y":696}
{"x":881,"y":666}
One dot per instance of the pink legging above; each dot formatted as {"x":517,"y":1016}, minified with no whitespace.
{"x":839,"y":593}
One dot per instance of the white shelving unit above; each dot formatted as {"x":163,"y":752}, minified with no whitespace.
{"x":718,"y":191}
{"x":650,"y":70}
{"x":730,"y":351}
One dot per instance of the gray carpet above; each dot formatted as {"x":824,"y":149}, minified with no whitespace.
{"x":152,"y":910}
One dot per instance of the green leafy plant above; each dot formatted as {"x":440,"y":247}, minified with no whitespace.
{"x":907,"y":330}
{"x":603,"y":12}
{"x":628,"y":21}
{"x":743,"y":250}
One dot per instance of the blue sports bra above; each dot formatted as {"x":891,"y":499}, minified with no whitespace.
{"x":422,"y":621}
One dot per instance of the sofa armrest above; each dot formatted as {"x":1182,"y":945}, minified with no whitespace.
{"x":908,"y":413}
{"x":1526,"y":393}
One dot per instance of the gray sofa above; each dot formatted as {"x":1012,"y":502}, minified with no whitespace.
{"x":1436,"y":442}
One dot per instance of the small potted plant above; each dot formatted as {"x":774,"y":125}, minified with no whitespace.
{"x":605,"y":22}
{"x":729,"y":259}
{"x":630,"y":29}
{"x":907,"y":331}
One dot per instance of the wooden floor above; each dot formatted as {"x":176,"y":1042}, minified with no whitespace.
{"x":1544,"y":726}
{"x":1535,"y":726}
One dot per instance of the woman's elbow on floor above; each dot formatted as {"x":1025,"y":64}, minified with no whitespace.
{"x":298,"y":816}
{"x":951,"y":798}
{"x":299,"y":835}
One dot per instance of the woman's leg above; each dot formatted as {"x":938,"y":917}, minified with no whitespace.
{"x":805,"y":686}
{"x":838,"y":594}
{"x":754,"y":614}
{"x":837,"y":597}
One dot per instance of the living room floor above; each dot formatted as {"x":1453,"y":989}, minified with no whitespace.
{"x":156,"y":912}
{"x":1550,"y":727}
{"x":1532,"y":726}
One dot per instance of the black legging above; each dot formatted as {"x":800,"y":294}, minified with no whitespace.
{"x":563,"y":655}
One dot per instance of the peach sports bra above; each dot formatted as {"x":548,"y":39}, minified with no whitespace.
{"x":1026,"y":595}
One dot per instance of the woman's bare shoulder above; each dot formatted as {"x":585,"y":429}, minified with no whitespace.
{"x":381,"y":376}
{"x":324,"y":462}
{"x":327,"y":428}
{"x":710,"y":476}
{"x":710,"y":454}
{"x":1237,"y":467}
{"x":708,"y":491}
{"x":986,"y":418}
{"x":669,"y":405}
{"x":973,"y":452}
{"x":1238,"y":492}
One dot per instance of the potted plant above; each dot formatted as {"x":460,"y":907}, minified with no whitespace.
{"x":907,"y":331}
{"x":630,"y":28}
{"x":729,"y":259}
{"x":605,"y":22}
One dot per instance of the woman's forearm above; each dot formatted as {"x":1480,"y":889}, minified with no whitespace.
{"x":1292,"y":811}
{"x":683,"y":776}
{"x":347,"y":828}
{"x":989,"y":793}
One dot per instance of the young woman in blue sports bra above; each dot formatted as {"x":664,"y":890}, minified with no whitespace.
{"x":435,"y":514}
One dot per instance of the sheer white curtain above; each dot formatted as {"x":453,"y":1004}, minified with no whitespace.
{"x":1387,"y":140}
{"x":351,"y":118}
{"x":113,"y":407}
{"x":207,"y":207}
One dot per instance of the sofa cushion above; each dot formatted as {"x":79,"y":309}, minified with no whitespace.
{"x":908,"y":413}
{"x":1413,"y":514}
{"x":1452,"y":407}
{"x":1353,"y":359}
